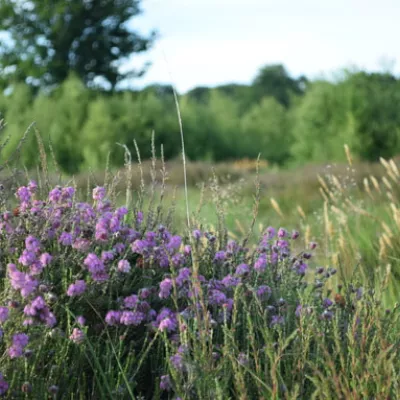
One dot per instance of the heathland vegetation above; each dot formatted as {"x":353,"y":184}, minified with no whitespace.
{"x":123,"y":280}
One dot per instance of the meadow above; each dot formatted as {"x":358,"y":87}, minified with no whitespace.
{"x":278,"y":284}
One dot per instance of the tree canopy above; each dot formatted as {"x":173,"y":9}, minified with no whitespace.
{"x":43,"y":41}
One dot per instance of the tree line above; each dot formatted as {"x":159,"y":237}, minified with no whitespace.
{"x":287,"y":120}
{"x":61,"y":65}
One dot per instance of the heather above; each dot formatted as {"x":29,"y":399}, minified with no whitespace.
{"x":103,"y":300}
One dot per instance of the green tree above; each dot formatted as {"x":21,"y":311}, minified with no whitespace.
{"x":43,"y":41}
{"x":375,"y":104}
{"x":18,"y":116}
{"x":71,"y":103}
{"x":274,"y":80}
{"x":323,"y":123}
{"x":266,"y":128}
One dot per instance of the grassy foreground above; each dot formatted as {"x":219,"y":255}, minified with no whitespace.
{"x":107,"y":294}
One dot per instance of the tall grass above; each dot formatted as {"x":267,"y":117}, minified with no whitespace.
{"x":123,"y":302}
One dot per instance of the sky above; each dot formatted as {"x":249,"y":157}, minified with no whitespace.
{"x":213,"y":42}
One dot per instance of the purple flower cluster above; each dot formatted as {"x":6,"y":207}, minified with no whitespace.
{"x":4,"y":314}
{"x":3,"y":385}
{"x":19,"y":342}
{"x":136,"y":279}
{"x":77,"y":288}
{"x":77,"y":336}
{"x":41,"y":311}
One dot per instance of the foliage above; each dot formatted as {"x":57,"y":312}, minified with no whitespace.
{"x":267,"y":124}
{"x":322,"y":123}
{"x":274,"y":80}
{"x":221,"y":124}
{"x":45,"y":41}
{"x":140,"y":311}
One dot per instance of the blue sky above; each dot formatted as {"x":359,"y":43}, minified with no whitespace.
{"x":211,"y":42}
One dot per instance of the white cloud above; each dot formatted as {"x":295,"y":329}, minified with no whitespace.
{"x":208,"y":42}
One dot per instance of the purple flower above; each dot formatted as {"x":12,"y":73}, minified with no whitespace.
{"x":229,"y":281}
{"x":20,"y":339}
{"x":196,"y":234}
{"x":270,"y":232}
{"x":77,"y":336}
{"x":165,"y":288}
{"x":65,"y":239}
{"x":119,"y":248}
{"x":313,"y":245}
{"x":174,"y":243}
{"x":39,"y":309}
{"x":77,"y":288}
{"x":144,"y":293}
{"x":95,"y":267}
{"x":140,"y":246}
{"x":114,"y":224}
{"x":177,"y":361}
{"x":132,"y":318}
{"x":124,"y":266}
{"x":219,"y":256}
{"x":327,"y":303}
{"x":183,"y":276}
{"x":4,"y":313}
{"x":242,"y":269}
{"x":45,"y":259}
{"x":298,"y":311}
{"x":178,"y":259}
{"x":67,"y":193}
{"x":121,"y":212}
{"x":4,"y":385}
{"x":165,"y":383}
{"x":81,"y":320}
{"x":27,"y":258}
{"x":107,"y":256}
{"x":113,"y":317}
{"x":99,"y":193}
{"x":277,"y":320}
{"x":139,"y":217}
{"x":15,"y":351}
{"x":82,"y":244}
{"x":264,"y":292}
{"x":24,"y":194}
{"x":260,"y":264}
{"x":166,"y":320}
{"x":32,"y":186}
{"x":217,"y":297}
{"x":20,"y":281}
{"x":301,"y":268}
{"x":32,"y":244}
{"x":295,"y":235}
{"x":131,"y":301}
{"x":282,"y":233}
{"x":283,"y":244}
{"x":55,"y":195}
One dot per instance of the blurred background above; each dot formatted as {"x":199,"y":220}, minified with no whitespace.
{"x":291,"y":80}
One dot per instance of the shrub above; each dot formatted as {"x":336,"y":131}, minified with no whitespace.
{"x":99,"y":301}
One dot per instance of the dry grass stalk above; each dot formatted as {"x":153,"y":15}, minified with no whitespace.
{"x":301,"y":212}
{"x":348,"y":155}
{"x":276,"y":207}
